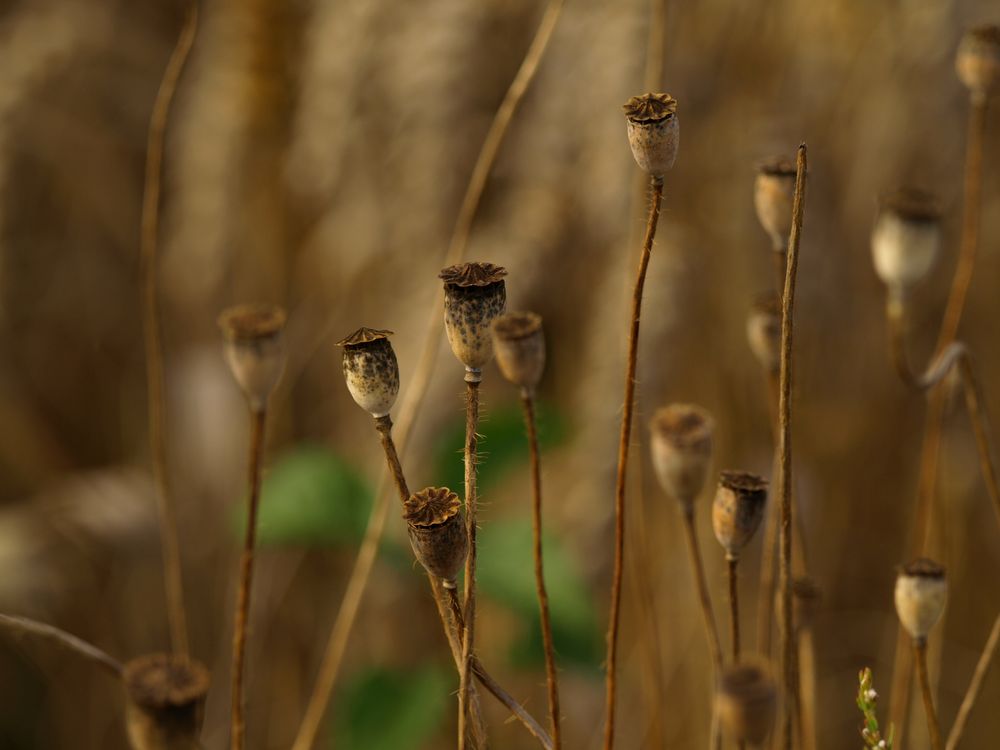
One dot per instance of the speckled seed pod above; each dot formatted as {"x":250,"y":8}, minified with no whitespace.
{"x":737,"y":509}
{"x":254,"y":349}
{"x":371,"y":370}
{"x":164,"y":702}
{"x":519,"y":346}
{"x":437,"y":532}
{"x":906,"y":238}
{"x":773,"y":191}
{"x":474,"y":294}
{"x":746,"y":702}
{"x":653,"y":131}
{"x":921,"y":593}
{"x":978,"y":60}
{"x":764,"y":332}
{"x":681,"y":447}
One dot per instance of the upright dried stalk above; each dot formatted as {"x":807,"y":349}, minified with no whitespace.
{"x":704,"y":598}
{"x":734,"y":606}
{"x":920,"y":657}
{"x":471,"y":503}
{"x":982,"y":667}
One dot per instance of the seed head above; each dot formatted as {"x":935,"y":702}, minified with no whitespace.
{"x":371,"y":370}
{"x":978,"y":60}
{"x":653,"y":132}
{"x":253,"y":346}
{"x":165,"y":702}
{"x":906,"y":238}
{"x":737,"y":509}
{"x":746,"y":701}
{"x":474,"y":294}
{"x":773,"y":192}
{"x":437,"y":532}
{"x":764,"y":332}
{"x":519,"y":345}
{"x":681,"y":446}
{"x":921,"y":593}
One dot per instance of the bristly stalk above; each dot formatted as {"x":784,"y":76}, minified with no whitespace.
{"x":982,"y":667}
{"x":920,"y":657}
{"x":472,"y":380}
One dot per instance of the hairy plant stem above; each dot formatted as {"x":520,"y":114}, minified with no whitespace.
{"x":920,"y":658}
{"x":21,"y":626}
{"x":982,"y":667}
{"x":656,"y":188}
{"x":258,"y":423}
{"x":787,"y":631}
{"x":472,"y":379}
{"x":153,"y":333}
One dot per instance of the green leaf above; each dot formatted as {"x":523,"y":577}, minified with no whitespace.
{"x":385,"y":709}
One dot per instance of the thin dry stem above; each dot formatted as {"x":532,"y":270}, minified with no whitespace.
{"x":471,"y":503}
{"x":769,"y":545}
{"x":152,"y":326}
{"x":969,"y":701}
{"x":23,"y":626}
{"x":704,"y":598}
{"x":734,"y":606}
{"x":933,"y":728}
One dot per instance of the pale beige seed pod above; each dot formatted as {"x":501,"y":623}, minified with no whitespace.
{"x":164,"y":702}
{"x":474,"y":295}
{"x":653,"y":132}
{"x":906,"y":238}
{"x":773,"y":194}
{"x":370,"y":370}
{"x":253,"y":346}
{"x":738,"y":509}
{"x":978,"y":60}
{"x":764,"y":332}
{"x":921,"y":593}
{"x":519,"y":347}
{"x":681,"y":449}
{"x":437,"y":532}
{"x":746,"y":702}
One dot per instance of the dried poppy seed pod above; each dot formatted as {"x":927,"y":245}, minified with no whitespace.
{"x":165,"y":702}
{"x":681,"y":448}
{"x":773,"y":193}
{"x":519,"y":346}
{"x":254,"y":349}
{"x":906,"y":238}
{"x":978,"y":60}
{"x":921,"y":592}
{"x":746,"y":702}
{"x":653,"y":132}
{"x":737,"y":509}
{"x":371,"y":370}
{"x":474,"y":294}
{"x":764,"y":332}
{"x":437,"y":532}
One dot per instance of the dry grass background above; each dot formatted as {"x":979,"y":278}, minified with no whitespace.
{"x":316,"y":157}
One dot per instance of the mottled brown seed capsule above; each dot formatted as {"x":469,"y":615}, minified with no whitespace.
{"x":737,"y":509}
{"x":474,"y":294}
{"x":254,"y":349}
{"x":906,"y":238}
{"x":921,"y":593}
{"x":773,"y":192}
{"x":978,"y":60}
{"x":371,"y":370}
{"x":746,"y":702}
{"x":653,"y":132}
{"x":164,"y":702}
{"x":681,"y":448}
{"x":437,"y":532}
{"x":764,"y":332}
{"x":519,"y":346}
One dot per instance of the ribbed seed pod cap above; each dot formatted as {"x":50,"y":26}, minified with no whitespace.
{"x":738,"y":509}
{"x":653,"y":131}
{"x":906,"y":238}
{"x":519,"y":346}
{"x":681,"y":449}
{"x":746,"y":702}
{"x":764,"y":332}
{"x":474,"y":294}
{"x":254,"y":349}
{"x":978,"y":60}
{"x":921,"y":593}
{"x":773,"y":193}
{"x":164,"y":702}
{"x":371,"y":370}
{"x":437,"y":532}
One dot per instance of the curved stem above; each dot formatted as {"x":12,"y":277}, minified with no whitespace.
{"x":704,"y":598}
{"x":623,"y":446}
{"x":920,"y":657}
{"x":471,"y":504}
{"x":25,"y":626}
{"x":982,"y":667}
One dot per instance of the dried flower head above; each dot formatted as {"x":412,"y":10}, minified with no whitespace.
{"x":371,"y":370}
{"x":254,"y":349}
{"x":738,"y":509}
{"x":653,"y":132}
{"x":519,"y":346}
{"x":978,"y":60}
{"x":437,"y":532}
{"x":165,"y":701}
{"x":921,"y":593}
{"x":773,"y":192}
{"x":906,"y":238}
{"x":746,"y":702}
{"x":474,"y":294}
{"x":681,"y":447}
{"x":764,"y":332}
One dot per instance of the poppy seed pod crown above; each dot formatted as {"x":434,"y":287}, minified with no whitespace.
{"x":165,"y":702}
{"x":437,"y":532}
{"x":738,"y":509}
{"x":920,"y":595}
{"x":519,"y":346}
{"x":978,"y":60}
{"x":653,"y":132}
{"x":371,"y":370}
{"x":254,"y":349}
{"x":474,"y":294}
{"x":906,"y":238}
{"x":681,"y":449}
